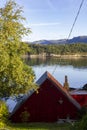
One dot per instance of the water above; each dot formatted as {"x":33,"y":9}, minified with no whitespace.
{"x":75,"y":69}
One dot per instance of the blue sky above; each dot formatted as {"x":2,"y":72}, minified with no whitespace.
{"x":52,"y":19}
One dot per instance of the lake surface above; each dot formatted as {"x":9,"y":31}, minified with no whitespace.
{"x":75,"y":69}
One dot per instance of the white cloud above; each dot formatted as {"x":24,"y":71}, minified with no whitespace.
{"x":45,"y":24}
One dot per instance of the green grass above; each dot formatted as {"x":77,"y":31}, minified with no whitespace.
{"x":39,"y":126}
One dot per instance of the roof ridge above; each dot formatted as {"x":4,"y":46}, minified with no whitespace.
{"x":63,"y":90}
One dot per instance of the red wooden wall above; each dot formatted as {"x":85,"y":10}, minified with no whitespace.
{"x":81,"y":99}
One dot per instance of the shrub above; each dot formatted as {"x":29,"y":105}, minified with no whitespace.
{"x":3,"y":114}
{"x":82,"y":124}
{"x":82,"y":112}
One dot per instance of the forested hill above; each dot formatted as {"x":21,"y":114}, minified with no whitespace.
{"x":79,"y":39}
{"x":58,"y":49}
{"x":74,"y":46}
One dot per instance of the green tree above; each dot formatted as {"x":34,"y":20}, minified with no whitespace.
{"x":15,"y":76}
{"x":84,"y":87}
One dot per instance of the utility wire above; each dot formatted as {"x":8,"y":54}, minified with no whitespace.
{"x":72,"y":26}
{"x":75,"y":19}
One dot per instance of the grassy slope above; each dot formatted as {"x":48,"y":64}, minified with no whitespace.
{"x":39,"y":126}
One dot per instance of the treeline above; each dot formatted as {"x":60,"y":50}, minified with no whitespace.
{"x":57,"y":49}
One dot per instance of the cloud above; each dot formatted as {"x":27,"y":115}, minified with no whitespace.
{"x":45,"y":24}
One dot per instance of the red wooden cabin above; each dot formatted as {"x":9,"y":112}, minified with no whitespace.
{"x":50,"y":103}
{"x":80,"y":96}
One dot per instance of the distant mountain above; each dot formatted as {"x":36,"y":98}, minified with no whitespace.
{"x":61,"y":41}
{"x":79,"y":39}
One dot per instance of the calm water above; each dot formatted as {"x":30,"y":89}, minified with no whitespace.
{"x":75,"y":69}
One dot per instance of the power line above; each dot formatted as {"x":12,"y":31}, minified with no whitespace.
{"x":75,"y":19}
{"x":72,"y":26}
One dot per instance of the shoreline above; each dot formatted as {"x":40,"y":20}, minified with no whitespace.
{"x":44,"y":56}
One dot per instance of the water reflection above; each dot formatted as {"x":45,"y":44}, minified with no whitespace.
{"x":75,"y":69}
{"x":77,"y":63}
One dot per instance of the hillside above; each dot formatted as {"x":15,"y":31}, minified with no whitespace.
{"x":76,"y":49}
{"x":79,"y":39}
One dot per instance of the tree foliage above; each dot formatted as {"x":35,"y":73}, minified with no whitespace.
{"x":82,"y":124}
{"x":3,"y":114}
{"x":59,"y":49}
{"x":84,"y":87}
{"x":15,"y":76}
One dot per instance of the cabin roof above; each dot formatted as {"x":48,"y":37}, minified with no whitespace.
{"x":78,"y":92}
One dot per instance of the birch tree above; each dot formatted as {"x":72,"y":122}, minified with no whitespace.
{"x":15,"y":76}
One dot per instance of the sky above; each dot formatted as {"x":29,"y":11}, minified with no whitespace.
{"x":52,"y":19}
